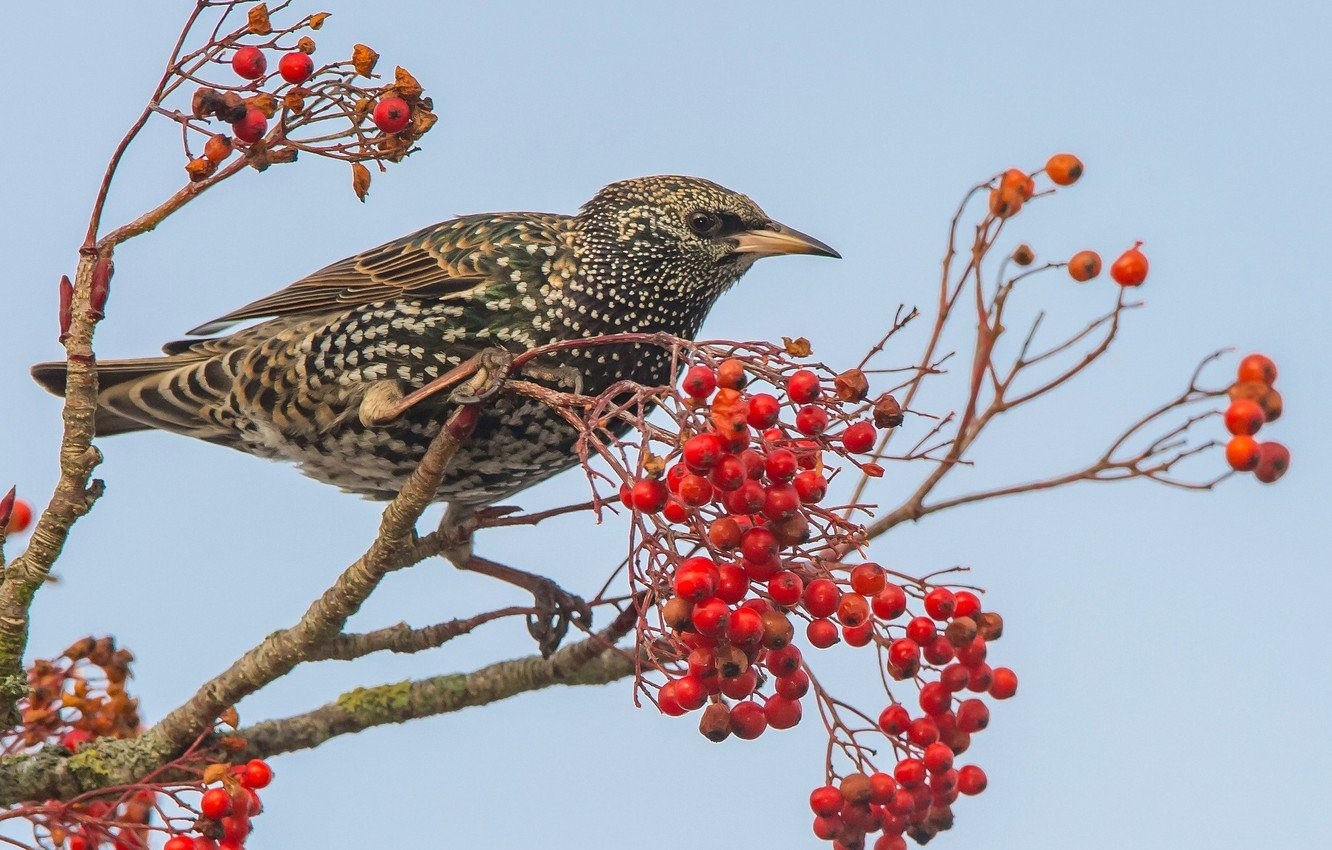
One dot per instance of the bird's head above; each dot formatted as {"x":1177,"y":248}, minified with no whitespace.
{"x":684,"y":234}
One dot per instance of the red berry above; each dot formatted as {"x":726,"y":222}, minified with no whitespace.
{"x":811,"y":420}
{"x":695,"y":490}
{"x":1273,"y":461}
{"x":1259,"y":368}
{"x":696,"y":579}
{"x":785,"y":588}
{"x":781,"y":465}
{"x":740,"y":687}
{"x":667,"y":701}
{"x":650,"y":495}
{"x":923,"y":731}
{"x":392,"y":114}
{"x":699,"y":382}
{"x":852,"y":609}
{"x":215,"y":803}
{"x":1243,"y":453}
{"x":747,"y":720}
{"x":921,"y":630}
{"x":821,"y":597}
{"x":1003,"y":683}
{"x":20,"y":517}
{"x":296,"y":67}
{"x":979,"y":678}
{"x":828,"y":828}
{"x":731,"y":374}
{"x":702,"y":451}
{"x":937,"y":758}
{"x":1244,"y":417}
{"x":973,"y":653}
{"x":733,"y":584}
{"x":710,"y":616}
{"x":1131,"y":267}
{"x":903,"y":651}
{"x":745,"y":627}
{"x":179,"y":842}
{"x":690,"y":692}
{"x":859,"y":635}
{"x":825,"y":801}
{"x":202,"y":843}
{"x":784,"y":661}
{"x":252,"y":127}
{"x":939,"y":651}
{"x":890,"y":603}
{"x":894,"y":720}
{"x":810,"y":487}
{"x":781,"y":501}
{"x":821,"y":633}
{"x":889,"y":841}
{"x":794,"y":686}
{"x":675,"y":511}
{"x":782,"y":713}
{"x":746,"y":500}
{"x":729,"y":474}
{"x":955,"y":677}
{"x":972,"y":715}
{"x":935,"y":699}
{"x":859,"y":438}
{"x":971,"y":780}
{"x":257,"y":773}
{"x":764,"y":410}
{"x":249,"y":63}
{"x":759,"y":545}
{"x":966,"y":604}
{"x":939,"y":603}
{"x":753,"y":462}
{"x":867,"y":579}
{"x":910,"y":772}
{"x":802,"y":386}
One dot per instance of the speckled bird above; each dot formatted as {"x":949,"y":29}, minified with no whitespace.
{"x":645,"y":255}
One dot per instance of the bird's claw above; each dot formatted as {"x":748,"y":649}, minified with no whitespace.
{"x":556,"y":608}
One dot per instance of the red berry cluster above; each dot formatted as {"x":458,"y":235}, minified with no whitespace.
{"x":1253,"y":403}
{"x":226,"y":809}
{"x":384,"y":121}
{"x":741,"y":497}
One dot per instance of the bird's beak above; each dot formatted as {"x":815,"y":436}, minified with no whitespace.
{"x":778,"y":239}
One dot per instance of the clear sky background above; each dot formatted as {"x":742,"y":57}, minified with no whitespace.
{"x":1171,"y":646}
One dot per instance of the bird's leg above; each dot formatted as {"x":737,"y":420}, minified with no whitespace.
{"x":556,"y":608}
{"x":475,"y":379}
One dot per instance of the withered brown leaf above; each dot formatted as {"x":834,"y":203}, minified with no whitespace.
{"x":364,"y":59}
{"x":258,"y":20}
{"x":798,"y":347}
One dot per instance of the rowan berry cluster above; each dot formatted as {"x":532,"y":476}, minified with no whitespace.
{"x":266,"y":109}
{"x":1253,"y":403}
{"x":744,"y":563}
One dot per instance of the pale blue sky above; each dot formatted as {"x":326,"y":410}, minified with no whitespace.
{"x":1170,"y":645}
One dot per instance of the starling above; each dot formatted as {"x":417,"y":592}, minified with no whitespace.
{"x":645,"y":255}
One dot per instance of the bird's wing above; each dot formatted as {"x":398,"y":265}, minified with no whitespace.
{"x":442,"y":261}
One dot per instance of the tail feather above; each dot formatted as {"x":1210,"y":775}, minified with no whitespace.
{"x":169,"y":393}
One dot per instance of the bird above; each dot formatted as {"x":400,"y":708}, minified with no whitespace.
{"x":644,"y":255}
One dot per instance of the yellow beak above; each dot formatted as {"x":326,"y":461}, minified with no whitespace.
{"x":779,"y":239}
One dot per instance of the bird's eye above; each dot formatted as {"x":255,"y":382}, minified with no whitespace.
{"x":704,"y":222}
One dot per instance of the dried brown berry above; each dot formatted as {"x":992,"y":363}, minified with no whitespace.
{"x":360,"y":180}
{"x":306,"y":45}
{"x":1023,"y":255}
{"x":851,"y":385}
{"x":856,"y":788}
{"x":961,"y":631}
{"x":364,"y":59}
{"x":887,"y":412}
{"x":217,"y":148}
{"x":232,"y":108}
{"x":989,"y":625}
{"x":257,"y":18}
{"x":716,"y":722}
{"x":206,"y":102}
{"x":678,"y":614}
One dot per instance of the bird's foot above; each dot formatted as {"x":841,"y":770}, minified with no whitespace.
{"x":492,"y":370}
{"x":556,"y":608}
{"x":560,"y":376}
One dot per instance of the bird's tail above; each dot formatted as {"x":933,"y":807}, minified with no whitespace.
{"x":175,"y":394}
